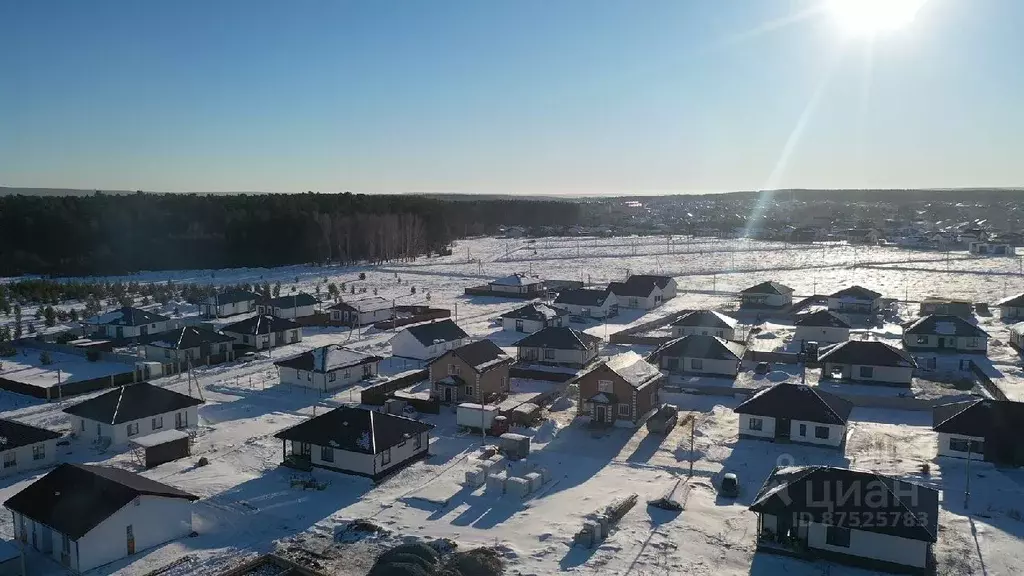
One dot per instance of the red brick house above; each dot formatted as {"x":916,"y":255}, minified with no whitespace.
{"x":622,"y":389}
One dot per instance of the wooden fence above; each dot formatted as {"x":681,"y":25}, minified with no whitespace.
{"x":377,"y":394}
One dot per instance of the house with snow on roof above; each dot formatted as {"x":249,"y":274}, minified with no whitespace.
{"x":474,"y":372}
{"x":533,"y":317}
{"x":1017,"y":336}
{"x":558,"y":346}
{"x":355,"y":441}
{"x":823,"y":327}
{"x":85,"y":516}
{"x":855,"y":300}
{"x":699,"y":354}
{"x":867,"y":362}
{"x":263,"y":332}
{"x":588,"y":302}
{"x":429,"y":340}
{"x":643,"y":291}
{"x":944,"y":333}
{"x":327,"y":368}
{"x":622,"y":389}
{"x":991,"y":249}
{"x":518,"y":284}
{"x":848,"y":516}
{"x":177,"y":348}
{"x":291,"y":306}
{"x":132,"y":411}
{"x":24,"y":447}
{"x":1011,"y":308}
{"x":707,"y":323}
{"x":129,"y":322}
{"x":229,"y":303}
{"x":982,"y":429}
{"x":795,"y":413}
{"x":769,"y":294}
{"x":363,"y":311}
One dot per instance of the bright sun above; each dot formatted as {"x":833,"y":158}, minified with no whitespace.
{"x":866,"y":17}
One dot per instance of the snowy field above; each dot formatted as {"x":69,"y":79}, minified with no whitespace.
{"x":26,"y":366}
{"x":248,"y":506}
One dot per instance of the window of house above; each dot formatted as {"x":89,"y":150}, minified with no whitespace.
{"x":549,"y":354}
{"x":454,"y":369}
{"x":469,"y":390}
{"x":696,"y":364}
{"x":975,"y":342}
{"x":867,"y":372}
{"x":10,"y":460}
{"x":821,"y":432}
{"x":332,"y":376}
{"x":720,"y":333}
{"x":347,"y":374}
{"x":158,"y":422}
{"x":266,"y":338}
{"x":922,"y":338}
{"x":385,"y":457}
{"x":327,"y":454}
{"x":167,"y":353}
{"x":417,"y":442}
{"x":672,"y":364}
{"x":624,"y":410}
{"x":803,"y":429}
{"x":604,"y":386}
{"x":755,"y":424}
{"x":836,"y":536}
{"x":963,"y":445}
{"x":133,"y":428}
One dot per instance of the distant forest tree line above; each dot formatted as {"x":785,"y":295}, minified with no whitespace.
{"x":115,"y":234}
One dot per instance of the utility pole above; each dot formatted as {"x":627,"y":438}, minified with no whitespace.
{"x":967,"y":474}
{"x":693,"y":432}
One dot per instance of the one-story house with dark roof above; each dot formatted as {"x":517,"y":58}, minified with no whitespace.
{"x":986,"y":429}
{"x":290,"y":306}
{"x":560,"y":346}
{"x":129,"y":322}
{"x":85,"y":516}
{"x":190,"y":343}
{"x":128,"y":412}
{"x":623,"y":388}
{"x":588,"y":302}
{"x":942,"y":305}
{"x":429,"y":340}
{"x":944,"y":333}
{"x":795,"y":413}
{"x":867,"y":362}
{"x":26,"y":447}
{"x":533,"y":317}
{"x":643,"y":291}
{"x":855,"y":300}
{"x":859,"y":518}
{"x":355,"y":441}
{"x":363,"y":311}
{"x":1011,"y":308}
{"x":768,"y":294}
{"x":706,"y":322}
{"x":700,"y":354}
{"x":327,"y":368}
{"x":474,"y":372}
{"x":823,"y":327}
{"x":262,"y":332}
{"x":229,"y":303}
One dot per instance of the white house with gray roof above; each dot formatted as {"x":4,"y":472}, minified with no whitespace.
{"x":327,"y":368}
{"x":588,"y":302}
{"x":428,"y":341}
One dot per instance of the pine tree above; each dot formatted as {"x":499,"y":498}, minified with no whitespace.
{"x":51,"y":316}
{"x":277,"y":289}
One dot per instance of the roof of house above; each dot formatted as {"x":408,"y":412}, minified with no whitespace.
{"x":233,"y":296}
{"x":433,"y":332}
{"x":701,"y":346}
{"x":128,"y":316}
{"x":264,"y":324}
{"x":706,"y":318}
{"x":583,"y":297}
{"x":1013,"y":301}
{"x":517,"y":279}
{"x":802,"y":490}
{"x":355,"y":430}
{"x":369,"y":304}
{"x":856,"y":293}
{"x":632,"y":368}
{"x":768,"y":287}
{"x":944,"y":325}
{"x":658,"y":279}
{"x":482,"y":355}
{"x":825,"y":318}
{"x":185,"y":338}
{"x":75,"y":498}
{"x":15,"y":434}
{"x":639,"y":285}
{"x":981,"y":418}
{"x":1018,"y":328}
{"x":797,"y":402}
{"x":866,"y":353}
{"x":291,"y":301}
{"x":131,"y":402}
{"x":535,"y":311}
{"x":328,"y":359}
{"x":559,"y":338}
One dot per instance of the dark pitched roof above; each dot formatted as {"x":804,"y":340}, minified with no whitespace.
{"x":797,"y":402}
{"x":75,"y":498}
{"x":559,"y":338}
{"x":701,"y":346}
{"x":944,"y":325}
{"x":517,"y":279}
{"x":1012,"y":302}
{"x":706,"y":318}
{"x":15,"y":434}
{"x":355,"y":430}
{"x":657,"y":279}
{"x":639,"y":285}
{"x":583,"y":297}
{"x":131,"y":402}
{"x":291,"y":301}
{"x":768,"y":287}
{"x":233,"y":296}
{"x":867,"y":353}
{"x":261,"y":325}
{"x":129,"y":316}
{"x":482,"y":355}
{"x":364,"y":304}
{"x":845,"y":497}
{"x":825,"y":318}
{"x":432,"y":332}
{"x":328,"y":359}
{"x":982,"y":418}
{"x":857,"y":293}
{"x":535,"y":311}
{"x":185,"y":338}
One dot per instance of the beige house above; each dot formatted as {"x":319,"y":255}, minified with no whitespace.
{"x":476,"y":372}
{"x":559,"y":346}
{"x":944,"y":333}
{"x":867,"y":362}
{"x":622,"y":389}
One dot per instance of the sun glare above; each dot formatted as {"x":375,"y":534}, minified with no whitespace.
{"x":868,"y":17}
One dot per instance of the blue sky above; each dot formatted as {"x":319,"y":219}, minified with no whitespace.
{"x":526,"y":96}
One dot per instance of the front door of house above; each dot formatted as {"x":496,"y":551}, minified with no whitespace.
{"x":447,"y":394}
{"x":130,"y":536}
{"x":144,"y":329}
{"x":120,"y":332}
{"x":519,"y":325}
{"x":782,"y":426}
{"x":306,"y":450}
{"x":601,"y":413}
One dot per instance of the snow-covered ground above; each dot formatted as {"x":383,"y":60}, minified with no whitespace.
{"x":27,"y":367}
{"x":248,"y":505}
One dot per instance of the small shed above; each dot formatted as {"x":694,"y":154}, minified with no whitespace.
{"x":162,"y":447}
{"x":10,"y":559}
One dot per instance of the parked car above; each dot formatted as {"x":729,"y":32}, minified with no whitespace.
{"x":730,"y":486}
